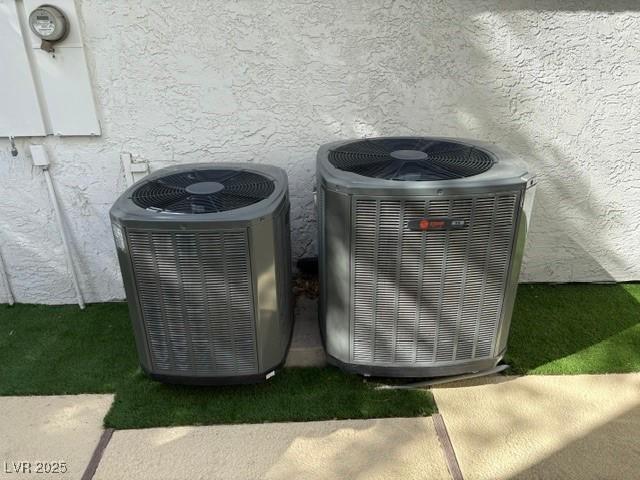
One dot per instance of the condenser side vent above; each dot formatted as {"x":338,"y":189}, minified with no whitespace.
{"x":429,"y":297}
{"x":195,"y":295}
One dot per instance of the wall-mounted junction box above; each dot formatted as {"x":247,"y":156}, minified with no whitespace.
{"x":39,"y":155}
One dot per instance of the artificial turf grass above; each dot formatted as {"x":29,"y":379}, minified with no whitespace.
{"x":293,"y":395}
{"x":57,"y":350}
{"x":556,"y":329}
{"x":575,"y":329}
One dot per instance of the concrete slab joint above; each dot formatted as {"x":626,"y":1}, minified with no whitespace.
{"x":40,"y":435}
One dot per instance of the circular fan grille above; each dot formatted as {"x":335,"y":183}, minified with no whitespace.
{"x":203,"y":191}
{"x":410,"y":159}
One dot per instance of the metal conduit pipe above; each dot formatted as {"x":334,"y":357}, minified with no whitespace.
{"x":40,"y":158}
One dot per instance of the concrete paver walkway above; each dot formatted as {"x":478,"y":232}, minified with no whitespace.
{"x":545,"y":427}
{"x":403,"y":448}
{"x":46,"y":430}
{"x":538,"y":427}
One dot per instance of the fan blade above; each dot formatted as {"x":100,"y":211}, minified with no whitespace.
{"x":160,"y":181}
{"x":243,"y":194}
{"x":227,"y":178}
{"x":377,"y":146}
{"x":162,"y":200}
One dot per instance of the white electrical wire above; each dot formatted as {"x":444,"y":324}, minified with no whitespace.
{"x":63,"y":233}
{"x":5,"y":280}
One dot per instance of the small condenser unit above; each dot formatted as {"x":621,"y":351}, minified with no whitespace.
{"x":204,"y":251}
{"x":421,"y":241}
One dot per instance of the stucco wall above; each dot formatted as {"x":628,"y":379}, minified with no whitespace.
{"x":268,"y":81}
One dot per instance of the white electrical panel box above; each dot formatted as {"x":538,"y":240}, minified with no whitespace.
{"x":20,"y":112}
{"x":60,"y":101}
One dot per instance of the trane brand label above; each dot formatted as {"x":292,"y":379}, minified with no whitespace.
{"x":428,"y":224}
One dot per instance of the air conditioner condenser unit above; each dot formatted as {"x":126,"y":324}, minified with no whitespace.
{"x":420,"y":246}
{"x":204,"y":251}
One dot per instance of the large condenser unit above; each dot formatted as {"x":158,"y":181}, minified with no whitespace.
{"x":420,"y":246}
{"x":204,"y":251}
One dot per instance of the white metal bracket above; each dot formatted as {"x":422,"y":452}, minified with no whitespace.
{"x":133,"y":171}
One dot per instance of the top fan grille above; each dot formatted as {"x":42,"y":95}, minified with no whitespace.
{"x":203,"y":191}
{"x":410,"y":159}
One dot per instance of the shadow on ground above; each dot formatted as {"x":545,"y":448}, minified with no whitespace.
{"x":535,"y":427}
{"x":610,"y":451}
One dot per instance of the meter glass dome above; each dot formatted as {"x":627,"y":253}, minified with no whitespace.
{"x":48,"y":23}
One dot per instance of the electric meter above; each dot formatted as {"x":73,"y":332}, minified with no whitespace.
{"x":50,"y":24}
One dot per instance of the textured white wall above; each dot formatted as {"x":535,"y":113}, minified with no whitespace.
{"x":268,"y":81}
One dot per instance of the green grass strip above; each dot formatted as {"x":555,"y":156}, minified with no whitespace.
{"x":57,"y":350}
{"x":575,"y":329}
